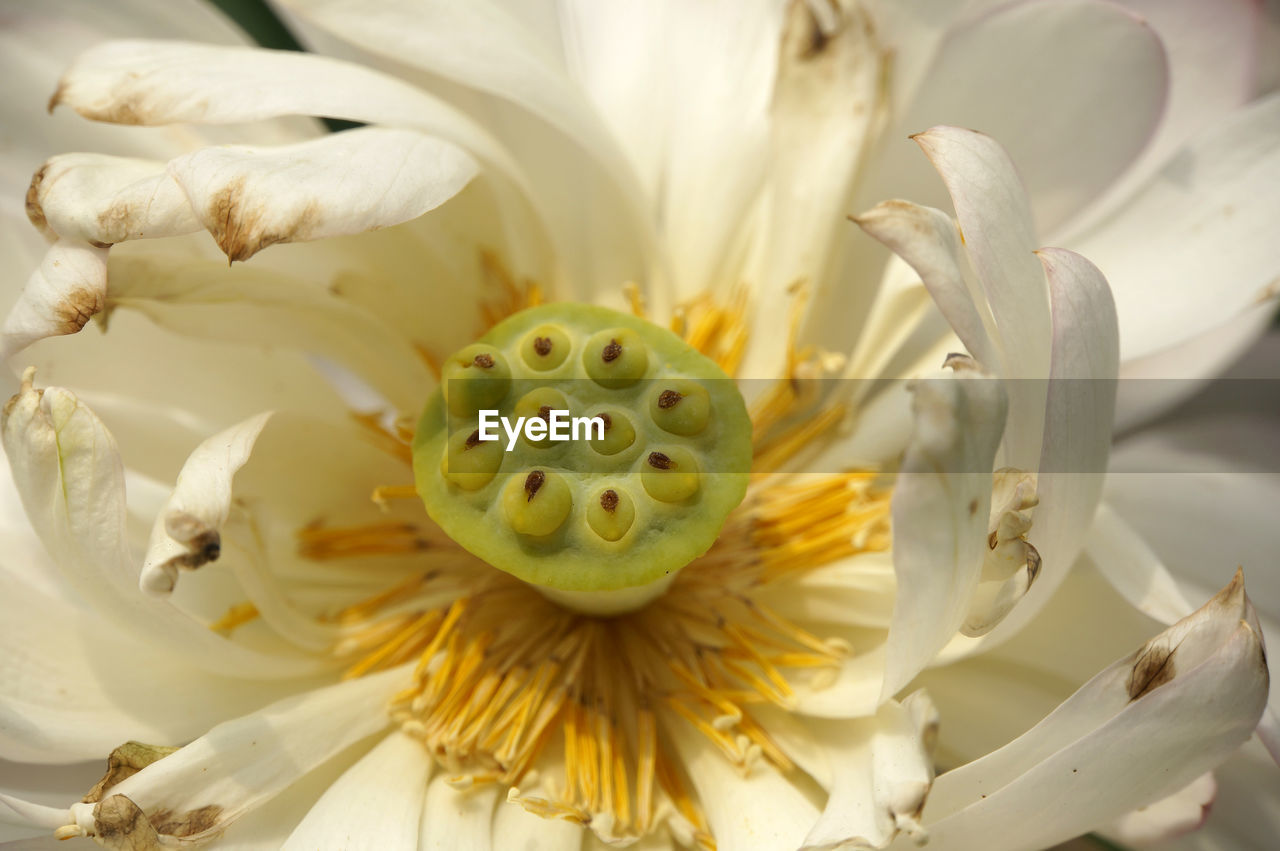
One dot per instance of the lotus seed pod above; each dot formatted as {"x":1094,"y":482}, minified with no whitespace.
{"x":670,"y":474}
{"x":675,"y":467}
{"x":538,"y":404}
{"x":610,"y":513}
{"x":545,"y":348}
{"x":618,"y":433}
{"x":616,"y":358}
{"x":680,"y":406}
{"x":469,"y":462}
{"x":536,"y":503}
{"x":476,"y":377}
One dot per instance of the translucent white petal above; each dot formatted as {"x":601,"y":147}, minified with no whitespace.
{"x":1039,"y":77}
{"x":1179,"y":813}
{"x":250,"y":305}
{"x":1079,"y":410}
{"x":1130,"y":565}
{"x":882,"y":774}
{"x":517,"y":829}
{"x":479,"y":44}
{"x":1200,"y":218}
{"x":929,"y":241}
{"x":1212,"y":64}
{"x":457,"y":818}
{"x":999,"y":235}
{"x":376,"y":804}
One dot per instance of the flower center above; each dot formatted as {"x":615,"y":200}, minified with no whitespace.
{"x":582,"y":717}
{"x":589,"y":453}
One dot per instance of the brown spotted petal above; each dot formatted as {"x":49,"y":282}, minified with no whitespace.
{"x":1136,"y":733}
{"x":103,"y":199}
{"x":157,"y":82}
{"x":251,"y":197}
{"x":187,"y":533}
{"x":61,"y":296}
{"x":197,"y":792}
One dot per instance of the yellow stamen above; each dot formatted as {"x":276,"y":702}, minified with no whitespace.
{"x":238,"y":615}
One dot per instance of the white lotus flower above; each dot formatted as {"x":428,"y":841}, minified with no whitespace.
{"x":336,"y":672}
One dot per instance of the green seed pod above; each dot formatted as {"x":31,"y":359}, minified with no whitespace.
{"x":476,"y":377}
{"x":469,"y":462}
{"x":610,"y":513}
{"x":619,"y":433}
{"x":545,"y":348}
{"x":676,"y":467}
{"x":670,"y":475}
{"x":680,"y":406}
{"x":616,"y":358}
{"x":536,"y":503}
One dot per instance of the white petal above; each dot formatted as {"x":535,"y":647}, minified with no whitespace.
{"x":344,"y":183}
{"x":457,"y":818}
{"x":16,"y":811}
{"x":250,"y":305}
{"x":75,"y":687}
{"x":1039,"y":77}
{"x":60,"y":297}
{"x":1201,"y":218}
{"x":929,"y":241}
{"x":882,"y":774}
{"x":762,"y":811}
{"x":242,"y":763}
{"x":1137,"y":732}
{"x":68,"y":471}
{"x":376,"y":804}
{"x":995,"y":221}
{"x":941,"y":503}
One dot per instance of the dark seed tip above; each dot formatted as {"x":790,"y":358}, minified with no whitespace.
{"x":609,"y":500}
{"x":611,"y":352}
{"x":484,"y":361}
{"x":473,"y":440}
{"x":533,"y":483}
{"x":608,"y":421}
{"x":669,"y":399}
{"x":542,"y":345}
{"x":658,"y":461}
